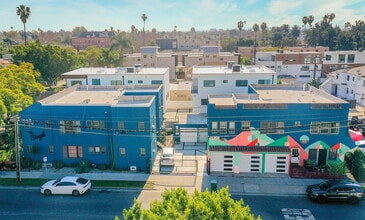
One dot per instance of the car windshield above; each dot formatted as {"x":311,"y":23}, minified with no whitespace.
{"x":57,"y":181}
{"x":81,"y":180}
{"x":325,"y":185}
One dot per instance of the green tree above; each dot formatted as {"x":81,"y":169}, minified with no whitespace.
{"x":18,"y":88}
{"x":246,"y":61}
{"x":358,"y":160}
{"x":23,"y":12}
{"x":337,"y":168}
{"x":240,"y":25}
{"x":50,"y":61}
{"x":178,"y":204}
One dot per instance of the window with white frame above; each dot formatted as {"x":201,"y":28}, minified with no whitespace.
{"x":325,"y":128}
{"x":272,"y":127}
{"x":70,"y":126}
{"x":141,"y":126}
{"x":245,"y":125}
{"x":231,"y":127}
{"x":214,"y":127}
{"x":97,"y":149}
{"x":142,"y":152}
{"x":209,"y":83}
{"x":223,"y":127}
{"x":122,"y":151}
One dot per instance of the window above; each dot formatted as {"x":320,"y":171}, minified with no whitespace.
{"x":209,"y":83}
{"x":225,"y":81}
{"x":328,"y":57}
{"x":348,"y":78}
{"x":245,"y":126}
{"x":70,"y":126}
{"x":74,"y":82}
{"x":295,"y":152}
{"x":325,"y":128}
{"x":120,"y":125}
{"x":122,"y":151}
{"x":140,"y":81}
{"x":95,"y":124}
{"x":351,"y":58}
{"x":231,"y":126}
{"x":51,"y":149}
{"x":95,"y":82}
{"x":32,"y":149}
{"x":223,"y":127}
{"x":272,"y":127}
{"x":116,"y":82}
{"x":307,"y":59}
{"x":214,"y":127}
{"x":154,"y":82}
{"x":341,"y":58}
{"x":264,"y":81}
{"x":204,"y":101}
{"x":72,"y":152}
{"x":97,"y":150}
{"x":332,"y":155}
{"x":142,"y":152}
{"x":48,"y":124}
{"x":241,"y":83}
{"x":297,"y":123}
{"x":304,"y":68}
{"x":130,"y":81}
{"x":141,"y":126}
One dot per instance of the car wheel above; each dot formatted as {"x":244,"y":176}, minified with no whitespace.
{"x":47,"y":192}
{"x":75,"y":193}
{"x":353,"y":200}
{"x":321,"y":199}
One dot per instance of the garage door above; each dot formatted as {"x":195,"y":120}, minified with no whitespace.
{"x":251,"y":163}
{"x":189,"y":135}
{"x":275,"y":163}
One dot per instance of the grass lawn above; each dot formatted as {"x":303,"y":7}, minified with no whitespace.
{"x":95,"y":183}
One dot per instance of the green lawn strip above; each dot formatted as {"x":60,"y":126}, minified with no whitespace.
{"x":95,"y":183}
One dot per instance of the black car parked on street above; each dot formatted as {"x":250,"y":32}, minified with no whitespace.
{"x":335,"y":190}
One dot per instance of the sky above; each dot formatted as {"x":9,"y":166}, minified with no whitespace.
{"x":164,"y":15}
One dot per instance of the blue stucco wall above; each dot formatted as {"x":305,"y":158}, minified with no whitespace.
{"x":300,"y":112}
{"x":38,"y":118}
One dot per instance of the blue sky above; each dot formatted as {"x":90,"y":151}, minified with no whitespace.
{"x":165,"y":14}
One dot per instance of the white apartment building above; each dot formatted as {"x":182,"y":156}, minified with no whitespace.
{"x":232,"y":78}
{"x":336,"y":60}
{"x":128,"y":76}
{"x":151,"y":58}
{"x":347,"y":84}
{"x":301,"y":66}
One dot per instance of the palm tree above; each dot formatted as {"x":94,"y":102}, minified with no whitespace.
{"x":121,"y":42}
{"x":263,"y":27}
{"x":144,"y":18}
{"x":310,"y":20}
{"x":240,"y":25}
{"x":255,"y":28}
{"x":305,"y":21}
{"x":23,"y":12}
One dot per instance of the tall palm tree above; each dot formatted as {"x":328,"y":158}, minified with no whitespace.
{"x":263,"y":27}
{"x":310,"y":20}
{"x":144,"y":18}
{"x":305,"y":21}
{"x":23,"y":12}
{"x":255,"y":28}
{"x":240,"y":25}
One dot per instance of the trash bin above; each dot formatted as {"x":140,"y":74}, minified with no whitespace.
{"x":213,"y":186}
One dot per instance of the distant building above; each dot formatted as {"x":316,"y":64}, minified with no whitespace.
{"x":167,"y":43}
{"x":105,"y":125}
{"x":150,"y":57}
{"x":347,"y":84}
{"x":302,"y":66}
{"x":101,"y":39}
{"x":336,"y":60}
{"x":231,"y":78}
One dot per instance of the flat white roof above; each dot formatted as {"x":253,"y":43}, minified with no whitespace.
{"x":113,"y":71}
{"x":277,"y":94}
{"x":249,"y":69}
{"x":96,"y":95}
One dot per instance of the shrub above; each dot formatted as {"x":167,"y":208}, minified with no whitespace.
{"x":26,"y":162}
{"x":102,"y":166}
{"x":36,"y":165}
{"x":83,"y":167}
{"x":58,"y":164}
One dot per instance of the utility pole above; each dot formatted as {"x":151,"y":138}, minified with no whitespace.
{"x":17,"y":149}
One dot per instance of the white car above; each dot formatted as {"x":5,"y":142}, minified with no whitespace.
{"x":72,"y":185}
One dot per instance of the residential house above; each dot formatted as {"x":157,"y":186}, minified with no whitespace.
{"x":337,"y":60}
{"x":105,"y":125}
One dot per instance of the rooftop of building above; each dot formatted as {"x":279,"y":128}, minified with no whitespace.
{"x":356,"y":71}
{"x":118,"y":70}
{"x":98,"y":95}
{"x":276,"y":95}
{"x":234,"y":69}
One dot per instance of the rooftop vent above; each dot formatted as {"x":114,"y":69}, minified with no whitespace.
{"x":130,"y":70}
{"x":236,"y":68}
{"x":230,"y":64}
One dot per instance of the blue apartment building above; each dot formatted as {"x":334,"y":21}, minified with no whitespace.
{"x":307,"y":114}
{"x":105,"y":125}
